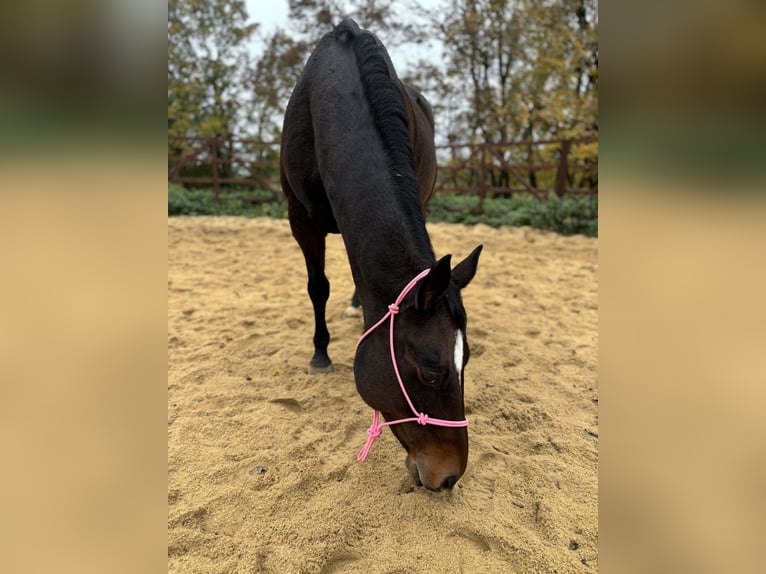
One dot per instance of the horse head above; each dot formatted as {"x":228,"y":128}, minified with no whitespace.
{"x":418,"y":388}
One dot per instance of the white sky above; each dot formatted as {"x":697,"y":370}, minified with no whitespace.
{"x":272,"y":13}
{"x":269,"y":13}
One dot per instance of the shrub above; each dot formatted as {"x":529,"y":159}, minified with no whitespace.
{"x":565,"y":215}
{"x":568,"y":215}
{"x":244,"y":202}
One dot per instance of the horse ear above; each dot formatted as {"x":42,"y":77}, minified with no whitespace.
{"x":434,"y":284}
{"x":466,"y":269}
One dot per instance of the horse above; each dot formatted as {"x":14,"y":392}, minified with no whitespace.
{"x":357,"y":158}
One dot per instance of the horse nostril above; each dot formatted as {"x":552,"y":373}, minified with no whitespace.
{"x":449,"y":482}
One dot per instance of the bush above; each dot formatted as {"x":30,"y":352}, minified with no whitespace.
{"x":565,"y":215}
{"x":183,"y":201}
{"x":568,"y":215}
{"x":244,"y":202}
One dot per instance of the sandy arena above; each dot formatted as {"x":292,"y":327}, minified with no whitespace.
{"x":262,"y":471}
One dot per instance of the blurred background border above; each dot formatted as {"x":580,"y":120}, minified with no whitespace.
{"x":82,"y":320}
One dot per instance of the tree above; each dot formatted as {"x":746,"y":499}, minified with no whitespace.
{"x":526,"y":69}
{"x":272,"y":80}
{"x":207,"y":61}
{"x":519,"y":70}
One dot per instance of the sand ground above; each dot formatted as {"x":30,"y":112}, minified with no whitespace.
{"x":262,"y":471}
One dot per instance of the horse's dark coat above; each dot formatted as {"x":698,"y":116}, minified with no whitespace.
{"x":358,"y":158}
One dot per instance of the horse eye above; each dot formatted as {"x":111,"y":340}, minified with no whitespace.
{"x":430,"y":376}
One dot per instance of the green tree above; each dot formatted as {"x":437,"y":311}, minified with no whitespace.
{"x":271,"y":81}
{"x":207,"y":61}
{"x":519,"y":70}
{"x":525,"y":68}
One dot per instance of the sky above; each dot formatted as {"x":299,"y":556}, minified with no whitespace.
{"x":269,"y":13}
{"x":272,"y":13}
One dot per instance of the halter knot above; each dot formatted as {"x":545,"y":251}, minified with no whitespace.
{"x":394,"y":308}
{"x":422,"y":419}
{"x":374,"y":431}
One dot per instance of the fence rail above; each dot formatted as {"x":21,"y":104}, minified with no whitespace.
{"x":536,"y":167}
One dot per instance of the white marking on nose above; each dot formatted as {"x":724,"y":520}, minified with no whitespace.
{"x":459,"y":354}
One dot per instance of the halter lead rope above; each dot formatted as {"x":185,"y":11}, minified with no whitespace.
{"x":421,"y":418}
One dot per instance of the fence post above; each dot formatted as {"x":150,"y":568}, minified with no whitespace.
{"x":482,"y":179}
{"x":561,"y":176}
{"x":214,"y":164}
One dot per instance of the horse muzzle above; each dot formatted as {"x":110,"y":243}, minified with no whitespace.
{"x":434,"y":473}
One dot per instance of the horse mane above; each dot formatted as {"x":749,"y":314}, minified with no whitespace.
{"x":385,"y":100}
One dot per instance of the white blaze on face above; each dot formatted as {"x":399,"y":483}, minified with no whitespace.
{"x":459,"y":354}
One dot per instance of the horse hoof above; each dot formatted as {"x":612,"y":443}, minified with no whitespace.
{"x":314,"y":370}
{"x":352,"y":312}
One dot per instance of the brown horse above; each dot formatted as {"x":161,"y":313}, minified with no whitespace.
{"x":358,"y":159}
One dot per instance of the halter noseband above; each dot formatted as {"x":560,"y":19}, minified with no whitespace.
{"x":421,"y":418}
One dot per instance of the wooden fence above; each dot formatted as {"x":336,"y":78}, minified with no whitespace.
{"x":536,"y":167}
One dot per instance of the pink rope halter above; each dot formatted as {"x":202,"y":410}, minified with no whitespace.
{"x":421,"y":418}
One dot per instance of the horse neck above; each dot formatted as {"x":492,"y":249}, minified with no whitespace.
{"x":385,"y":256}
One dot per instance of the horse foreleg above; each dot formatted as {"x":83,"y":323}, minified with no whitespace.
{"x":312,"y":243}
